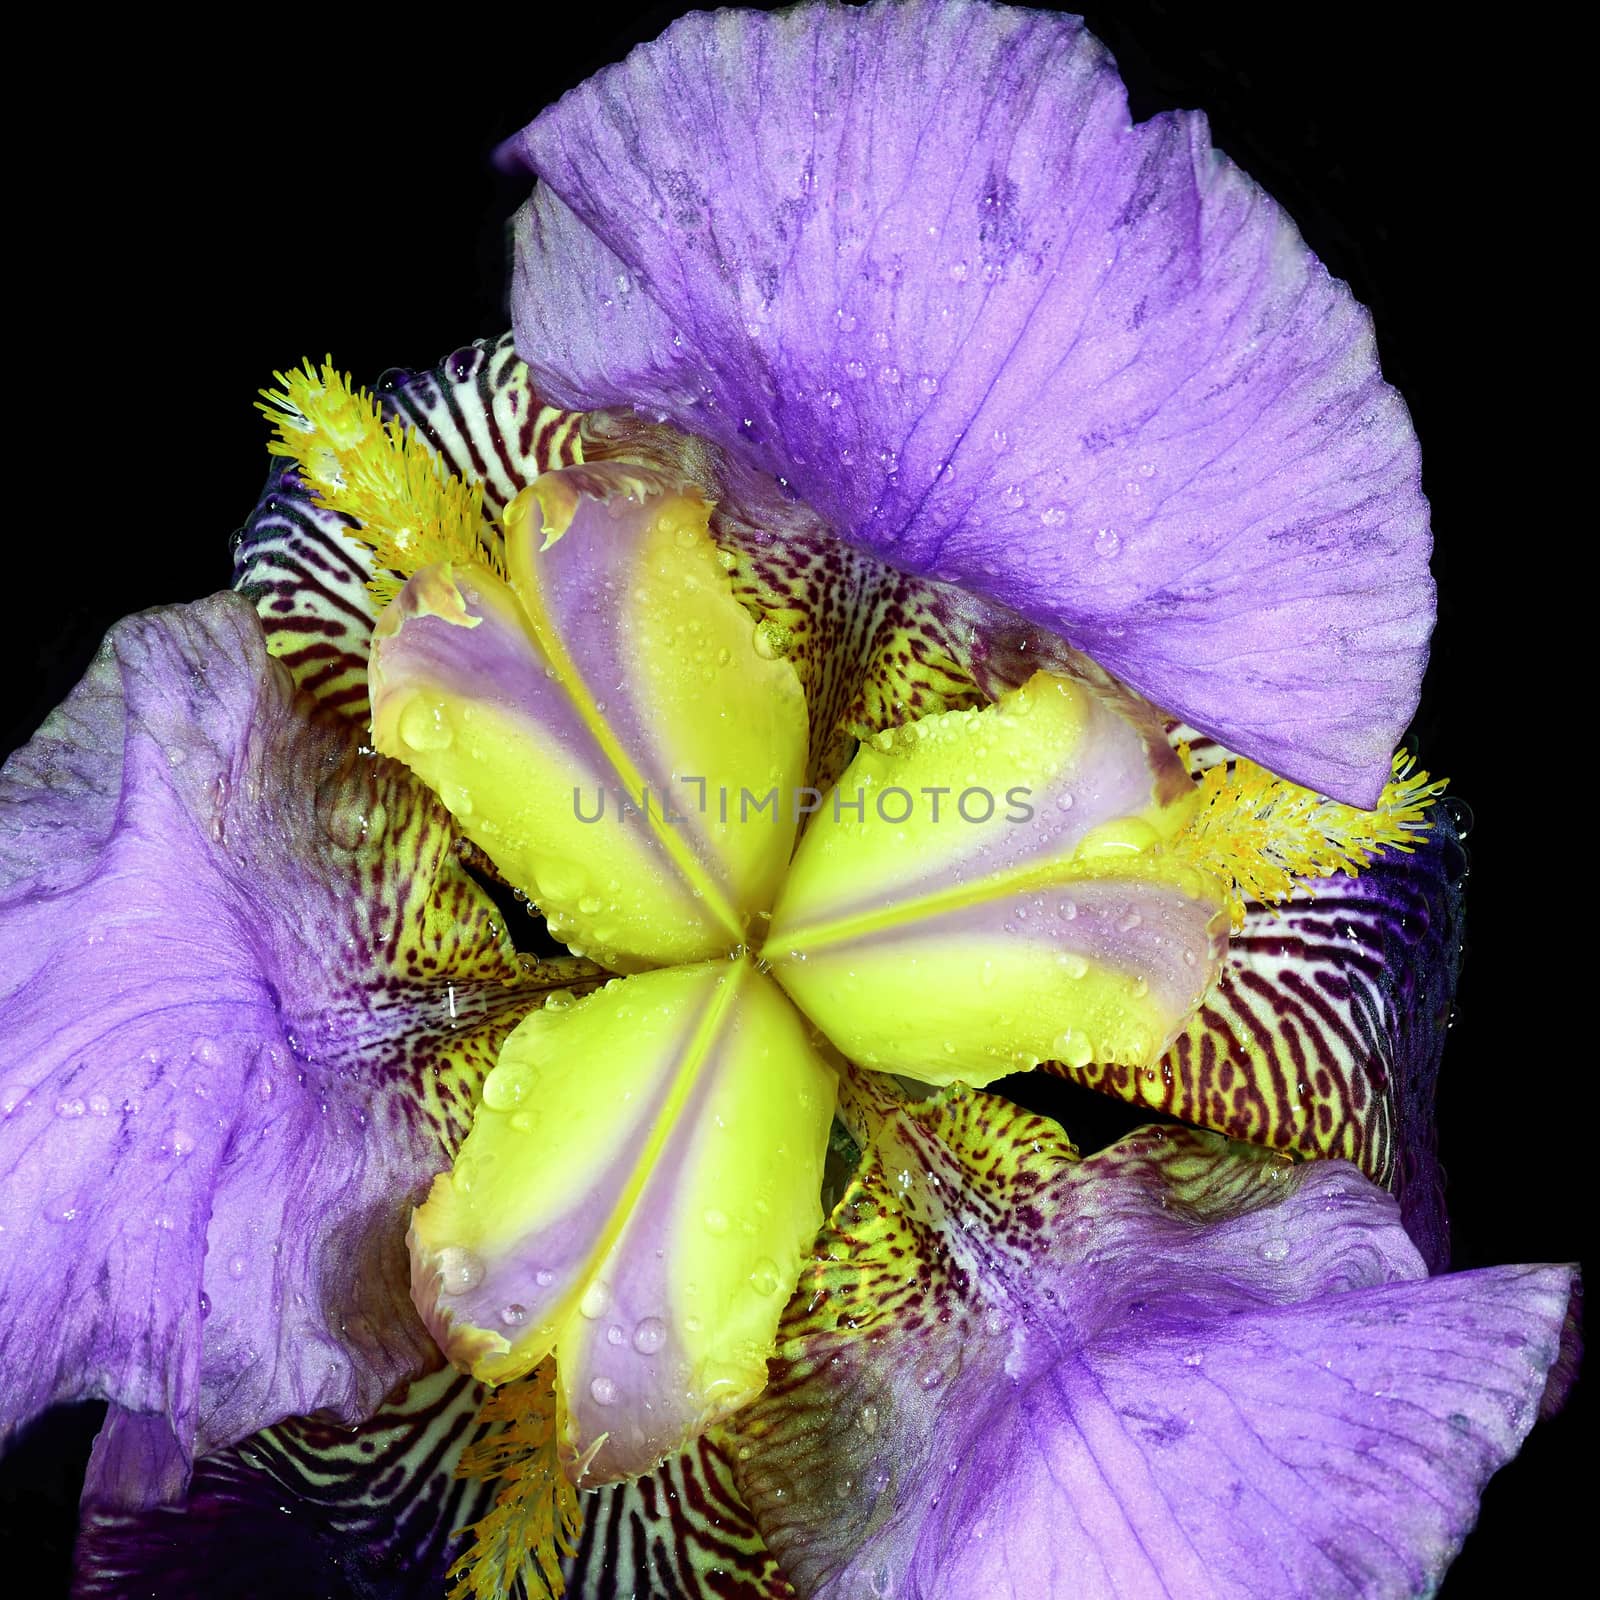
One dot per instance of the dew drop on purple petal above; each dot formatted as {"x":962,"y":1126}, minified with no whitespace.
{"x":649,"y":1336}
{"x":459,"y":1270}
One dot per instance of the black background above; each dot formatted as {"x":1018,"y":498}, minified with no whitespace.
{"x":200,"y":208}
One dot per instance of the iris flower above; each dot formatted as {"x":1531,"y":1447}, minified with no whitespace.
{"x":887,"y":424}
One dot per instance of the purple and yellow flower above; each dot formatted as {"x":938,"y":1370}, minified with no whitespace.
{"x":930,"y":593}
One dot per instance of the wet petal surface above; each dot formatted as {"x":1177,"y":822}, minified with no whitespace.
{"x":987,"y":889}
{"x":636,"y":1194}
{"x":589,"y":721}
{"x":915,"y":261}
{"x":247,"y":998}
{"x":1205,"y":1371}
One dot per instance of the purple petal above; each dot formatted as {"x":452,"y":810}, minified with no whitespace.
{"x":914,"y":260}
{"x":1323,"y":1034}
{"x":1181,"y":1367}
{"x":248,"y":995}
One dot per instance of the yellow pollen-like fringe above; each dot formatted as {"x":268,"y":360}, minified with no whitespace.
{"x":409,"y":506}
{"x":1263,"y":837}
{"x":535,"y":1521}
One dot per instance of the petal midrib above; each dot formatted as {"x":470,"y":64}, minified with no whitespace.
{"x":702,"y":1043}
{"x":700,"y":883}
{"x":927,"y":907}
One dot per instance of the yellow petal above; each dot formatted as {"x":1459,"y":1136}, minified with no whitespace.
{"x":637,"y":1194}
{"x":604,"y":727}
{"x":987,"y":889}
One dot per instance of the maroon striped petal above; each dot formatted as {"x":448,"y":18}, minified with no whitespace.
{"x":369,"y":1512}
{"x":1323,"y":1033}
{"x":307,"y":573}
{"x":681,"y":1531}
{"x":379,"y":1512}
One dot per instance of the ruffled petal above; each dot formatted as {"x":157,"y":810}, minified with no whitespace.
{"x":914,"y":260}
{"x":596,"y":724}
{"x":1206,"y":1372}
{"x":987,"y":889}
{"x":636,"y":1194}
{"x":248,"y":996}
{"x":1323,"y":1032}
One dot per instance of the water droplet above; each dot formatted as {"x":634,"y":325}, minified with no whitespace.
{"x":70,"y":1108}
{"x":236,"y":1267}
{"x":1107,"y":542}
{"x":1275,"y":1250}
{"x":716,"y":1222}
{"x":615,"y":1334}
{"x":544,"y":1277}
{"x":856,"y":369}
{"x":1460,"y":813}
{"x":1127,"y":923}
{"x":1052,"y":516}
{"x":846,"y":322}
{"x":1011,"y":497}
{"x":181,"y":1140}
{"x":425,"y":727}
{"x":868,"y":1418}
{"x":1074,"y":1048}
{"x":832,"y":399}
{"x":595,"y":1300}
{"x":459,"y":1270}
{"x":889,"y":374}
{"x":604,"y":1391}
{"x":649,"y":1336}
{"x":507,"y":1085}
{"x":764,"y":1276}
